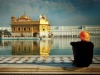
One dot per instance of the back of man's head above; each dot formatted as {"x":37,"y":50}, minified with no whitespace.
{"x":85,"y":36}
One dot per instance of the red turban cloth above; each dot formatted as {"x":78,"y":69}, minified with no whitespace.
{"x":84,"y":35}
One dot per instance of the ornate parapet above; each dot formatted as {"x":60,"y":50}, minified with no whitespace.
{"x":25,"y":23}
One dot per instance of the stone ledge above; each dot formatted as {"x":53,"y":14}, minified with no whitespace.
{"x":48,"y":69}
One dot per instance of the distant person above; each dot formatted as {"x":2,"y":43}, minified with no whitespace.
{"x":83,"y":50}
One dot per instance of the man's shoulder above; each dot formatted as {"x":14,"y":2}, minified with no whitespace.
{"x":82,"y":43}
{"x":91,"y":43}
{"x":75,"y":43}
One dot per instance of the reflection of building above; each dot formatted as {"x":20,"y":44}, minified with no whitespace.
{"x":28,"y":47}
{"x":42,"y":47}
{"x":5,"y":43}
{"x":23,"y":47}
{"x":63,"y":43}
{"x":45,"y":46}
{"x":24,"y":26}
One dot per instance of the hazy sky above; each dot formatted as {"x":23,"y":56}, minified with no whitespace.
{"x":58,"y":12}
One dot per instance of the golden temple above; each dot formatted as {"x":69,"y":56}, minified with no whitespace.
{"x":23,"y":26}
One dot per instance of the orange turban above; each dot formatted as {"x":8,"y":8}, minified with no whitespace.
{"x":84,"y":35}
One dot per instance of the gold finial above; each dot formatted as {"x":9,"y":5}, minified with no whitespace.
{"x":24,"y":12}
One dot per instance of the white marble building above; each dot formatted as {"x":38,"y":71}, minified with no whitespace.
{"x":74,"y":30}
{"x":65,"y":30}
{"x":6,"y":28}
{"x":69,"y":30}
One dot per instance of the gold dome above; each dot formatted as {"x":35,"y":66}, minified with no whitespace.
{"x":24,"y":17}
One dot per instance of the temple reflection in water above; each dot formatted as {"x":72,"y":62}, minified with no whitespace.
{"x":25,"y":47}
{"x":28,"y":47}
{"x":55,"y":46}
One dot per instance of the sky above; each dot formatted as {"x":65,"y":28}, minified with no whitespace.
{"x":58,"y":12}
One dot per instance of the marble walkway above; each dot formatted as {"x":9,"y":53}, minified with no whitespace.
{"x":41,"y":60}
{"x":44,"y":65}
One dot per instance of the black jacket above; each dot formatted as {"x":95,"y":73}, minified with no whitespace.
{"x":83,"y":53}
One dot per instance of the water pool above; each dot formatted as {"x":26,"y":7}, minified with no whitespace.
{"x":55,"y":46}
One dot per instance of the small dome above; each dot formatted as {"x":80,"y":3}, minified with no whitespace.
{"x":13,"y":17}
{"x":43,"y":17}
{"x":24,"y":17}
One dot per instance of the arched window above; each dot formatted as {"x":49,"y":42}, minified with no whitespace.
{"x":29,"y":29}
{"x":13,"y":28}
{"x":24,"y":29}
{"x":43,"y":29}
{"x":18,"y":29}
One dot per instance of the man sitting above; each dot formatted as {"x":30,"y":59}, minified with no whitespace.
{"x":83,"y":50}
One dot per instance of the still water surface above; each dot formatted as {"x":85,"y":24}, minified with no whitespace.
{"x":55,"y":46}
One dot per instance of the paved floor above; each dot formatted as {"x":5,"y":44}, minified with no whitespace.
{"x":40,"y":60}
{"x":34,"y":59}
{"x":45,"y":65}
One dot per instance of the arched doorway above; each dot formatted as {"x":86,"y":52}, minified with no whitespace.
{"x":22,"y":35}
{"x":35,"y":34}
